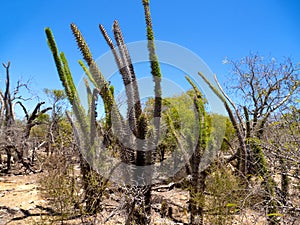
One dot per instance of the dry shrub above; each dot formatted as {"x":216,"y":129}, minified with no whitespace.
{"x":225,"y":194}
{"x":61,"y":187}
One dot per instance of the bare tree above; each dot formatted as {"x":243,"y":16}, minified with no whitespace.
{"x":7,"y":115}
{"x":14,"y":137}
{"x":263,"y":87}
{"x":281,"y":147}
{"x":56,"y":97}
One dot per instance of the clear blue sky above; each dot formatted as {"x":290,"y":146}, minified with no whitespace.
{"x":212,"y":29}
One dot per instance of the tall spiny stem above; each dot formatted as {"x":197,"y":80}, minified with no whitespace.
{"x":87,"y":72}
{"x":127,"y":74}
{"x":98,"y":78}
{"x":155,"y":69}
{"x":198,"y":178}
{"x":239,"y":131}
{"x":87,"y":123}
{"x":123,"y":60}
{"x":58,"y":63}
{"x":87,"y":55}
{"x":67,"y":81}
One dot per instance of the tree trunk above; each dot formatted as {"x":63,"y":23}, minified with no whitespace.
{"x":197,"y":199}
{"x":9,"y":157}
{"x":92,"y":187}
{"x":284,"y":181}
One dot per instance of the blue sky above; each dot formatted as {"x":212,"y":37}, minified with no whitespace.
{"x":212,"y":29}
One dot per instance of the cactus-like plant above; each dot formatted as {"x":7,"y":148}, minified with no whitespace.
{"x":197,"y":183}
{"x":136,"y":121}
{"x":248,"y":145}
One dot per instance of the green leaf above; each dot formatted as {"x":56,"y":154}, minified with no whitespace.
{"x":274,"y":214}
{"x":231,"y":205}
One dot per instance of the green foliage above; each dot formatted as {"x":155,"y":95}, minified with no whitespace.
{"x":42,"y":118}
{"x":180,"y":110}
{"x":226,"y":196}
{"x":39,"y":132}
{"x":229,"y":135}
{"x":260,"y":167}
{"x":65,"y":137}
{"x":55,"y":94}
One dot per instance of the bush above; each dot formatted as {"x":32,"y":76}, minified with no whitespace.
{"x":60,"y":186}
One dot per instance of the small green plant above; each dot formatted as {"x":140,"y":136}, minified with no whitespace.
{"x":225,"y":196}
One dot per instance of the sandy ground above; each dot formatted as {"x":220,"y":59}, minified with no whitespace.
{"x":20,"y":202}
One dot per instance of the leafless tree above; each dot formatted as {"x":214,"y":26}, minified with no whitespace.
{"x":14,"y":136}
{"x":281,"y":146}
{"x":59,"y":105}
{"x":262,"y":88}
